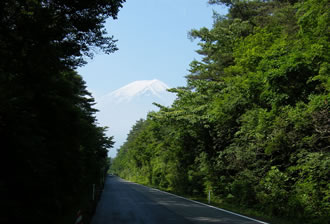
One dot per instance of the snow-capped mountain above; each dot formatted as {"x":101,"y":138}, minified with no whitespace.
{"x":120,"y":109}
{"x":147,"y":90}
{"x":137,"y":88}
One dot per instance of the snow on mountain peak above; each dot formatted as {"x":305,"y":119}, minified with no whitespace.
{"x":136,"y":88}
{"x":121,"y":108}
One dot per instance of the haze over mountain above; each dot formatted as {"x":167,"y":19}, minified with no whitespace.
{"x":120,"y":109}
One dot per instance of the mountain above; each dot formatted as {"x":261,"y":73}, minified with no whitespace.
{"x":138,"y":88}
{"x":120,"y":109}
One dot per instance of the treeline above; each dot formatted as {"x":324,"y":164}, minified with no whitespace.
{"x":52,"y":149}
{"x":252,"y":125}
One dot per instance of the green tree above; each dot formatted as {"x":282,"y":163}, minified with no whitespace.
{"x":50,"y":137}
{"x":252,"y":124}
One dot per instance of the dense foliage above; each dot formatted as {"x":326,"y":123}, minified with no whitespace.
{"x":253,"y":123}
{"x":52,"y":148}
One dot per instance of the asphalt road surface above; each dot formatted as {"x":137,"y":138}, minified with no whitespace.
{"x":123,"y":202}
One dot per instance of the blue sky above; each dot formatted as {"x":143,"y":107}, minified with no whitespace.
{"x":153,"y":44}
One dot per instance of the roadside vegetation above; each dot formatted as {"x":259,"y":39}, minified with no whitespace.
{"x":252,"y":125}
{"x":52,"y":149}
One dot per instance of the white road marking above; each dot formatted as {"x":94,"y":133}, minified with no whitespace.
{"x":210,"y":206}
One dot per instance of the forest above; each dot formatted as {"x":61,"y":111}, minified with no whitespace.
{"x":53,"y":152}
{"x":252,"y":124}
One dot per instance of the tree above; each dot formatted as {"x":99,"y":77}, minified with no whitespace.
{"x":47,"y":123}
{"x":252,"y":123}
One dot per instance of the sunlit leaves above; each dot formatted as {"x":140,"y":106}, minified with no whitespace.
{"x":252,"y":124}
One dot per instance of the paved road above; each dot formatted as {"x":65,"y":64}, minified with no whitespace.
{"x":123,"y":202}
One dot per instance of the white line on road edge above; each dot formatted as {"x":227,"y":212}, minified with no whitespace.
{"x":197,"y":202}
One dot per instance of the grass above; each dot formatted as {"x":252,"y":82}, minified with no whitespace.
{"x":252,"y":213}
{"x":85,"y":204}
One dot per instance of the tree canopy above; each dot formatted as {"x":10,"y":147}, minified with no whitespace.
{"x":252,"y":124}
{"x":53,"y":149}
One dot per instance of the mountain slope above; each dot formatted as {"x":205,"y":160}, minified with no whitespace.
{"x":143,"y":88}
{"x":120,"y":109}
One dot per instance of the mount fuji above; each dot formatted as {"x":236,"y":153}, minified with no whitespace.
{"x":120,"y":109}
{"x":143,"y":89}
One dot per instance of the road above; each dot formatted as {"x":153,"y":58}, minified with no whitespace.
{"x":124,"y":202}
